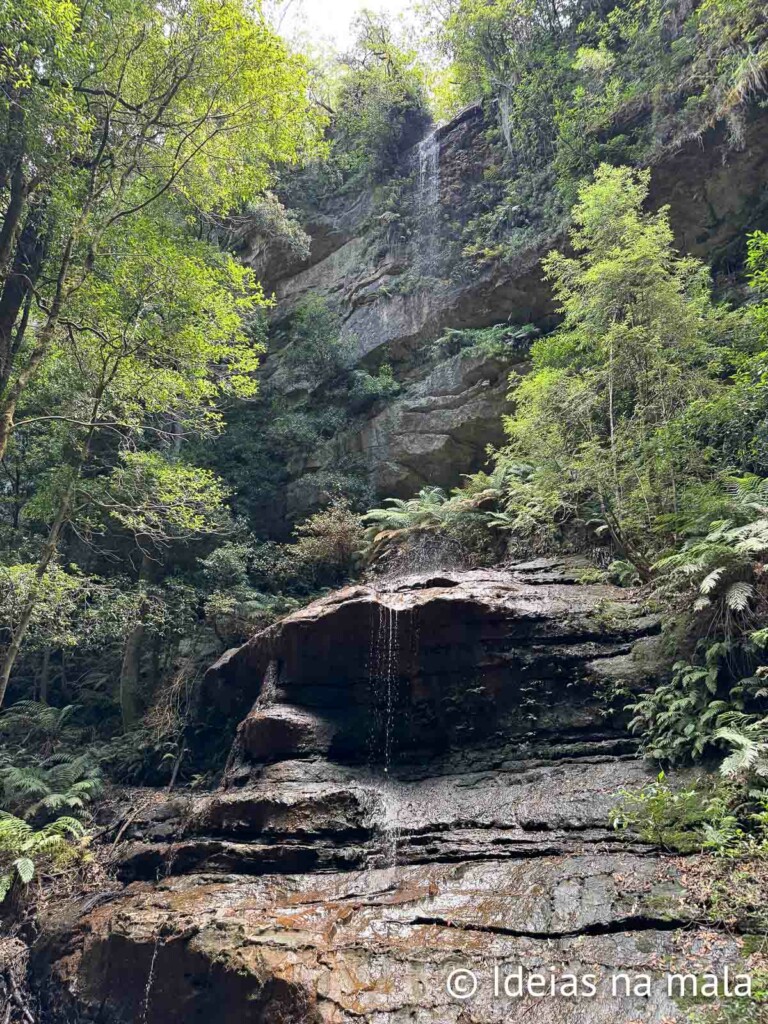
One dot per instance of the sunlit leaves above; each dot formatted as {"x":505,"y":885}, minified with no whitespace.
{"x":600,"y":417}
{"x":158,"y":500}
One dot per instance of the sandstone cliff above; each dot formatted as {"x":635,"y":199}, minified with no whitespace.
{"x":421,"y":783}
{"x":393,"y":262}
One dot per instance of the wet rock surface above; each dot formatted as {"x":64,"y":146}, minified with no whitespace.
{"x":421,"y":783}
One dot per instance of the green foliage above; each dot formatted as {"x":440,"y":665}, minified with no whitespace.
{"x":89,"y":180}
{"x":503,"y":341}
{"x":210,"y":57}
{"x":26,"y":851}
{"x":601,"y":418}
{"x":245,"y":587}
{"x":624,"y":573}
{"x":368,"y":388}
{"x":738,"y":1010}
{"x":459,"y":520}
{"x":726,"y":565}
{"x":517,"y":51}
{"x":315,"y":351}
{"x":312,"y":397}
{"x":381,"y":104}
{"x":428,"y":510}
{"x":59,"y":601}
{"x":682,"y":818}
{"x":747,"y":737}
{"x":156,"y":499}
{"x":41,"y":775}
{"x":268,"y":229}
{"x":123,"y":329}
{"x":592,"y":84}
{"x":679,"y":720}
{"x":140,"y":756}
{"x":40,"y":791}
{"x":250,"y":584}
{"x":329,"y":542}
{"x":717,"y":703}
{"x":45,"y":725}
{"x":704,"y":815}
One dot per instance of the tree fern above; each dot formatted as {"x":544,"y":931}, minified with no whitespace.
{"x":34,"y":719}
{"x":723,"y":565}
{"x":432,"y":510}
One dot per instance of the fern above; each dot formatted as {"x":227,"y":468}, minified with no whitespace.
{"x":24,"y":850}
{"x":36,"y":720}
{"x":433,"y":510}
{"x":722,"y":564}
{"x":60,"y":783}
{"x":738,"y":596}
{"x":747,"y":738}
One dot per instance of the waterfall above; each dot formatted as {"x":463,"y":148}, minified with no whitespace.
{"x":150,"y":978}
{"x":383,"y":675}
{"x":428,"y":196}
{"x":392,"y":673}
{"x":429,"y":173}
{"x":383,"y":688}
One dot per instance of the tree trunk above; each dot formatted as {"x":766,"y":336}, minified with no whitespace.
{"x":51,"y":545}
{"x":17,"y":290}
{"x":44,"y":677}
{"x":130,"y":673}
{"x":49,"y":549}
{"x":130,"y":670}
{"x":13,"y":213}
{"x":14,"y":391}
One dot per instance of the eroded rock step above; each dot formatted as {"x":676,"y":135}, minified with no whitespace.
{"x":421,"y":783}
{"x":381,"y":945}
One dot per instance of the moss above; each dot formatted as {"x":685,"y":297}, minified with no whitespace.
{"x":729,"y":1011}
{"x":751,"y":944}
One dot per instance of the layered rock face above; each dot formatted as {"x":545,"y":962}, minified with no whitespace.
{"x":398,"y":276}
{"x":430,"y":435}
{"x":421,"y":783}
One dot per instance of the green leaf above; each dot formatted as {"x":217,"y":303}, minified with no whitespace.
{"x":25,"y":868}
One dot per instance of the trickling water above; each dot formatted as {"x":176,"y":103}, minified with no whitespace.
{"x":150,"y":979}
{"x":169,"y":859}
{"x":393,"y":665}
{"x":429,"y":173}
{"x":383,"y":683}
{"x":505,"y":112}
{"x":428,"y":196}
{"x":383,"y":673}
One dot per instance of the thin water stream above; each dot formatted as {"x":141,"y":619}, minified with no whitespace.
{"x":428,"y":197}
{"x":150,"y":979}
{"x":383,"y":687}
{"x":166,"y":873}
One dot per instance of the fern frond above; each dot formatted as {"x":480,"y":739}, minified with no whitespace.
{"x":738,"y":596}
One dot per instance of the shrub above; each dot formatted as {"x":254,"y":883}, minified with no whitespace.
{"x":41,"y":790}
{"x":382,"y":103}
{"x":329,"y":542}
{"x":367,"y":388}
{"x":314,"y":347}
{"x":504,"y":341}
{"x":685,"y":818}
